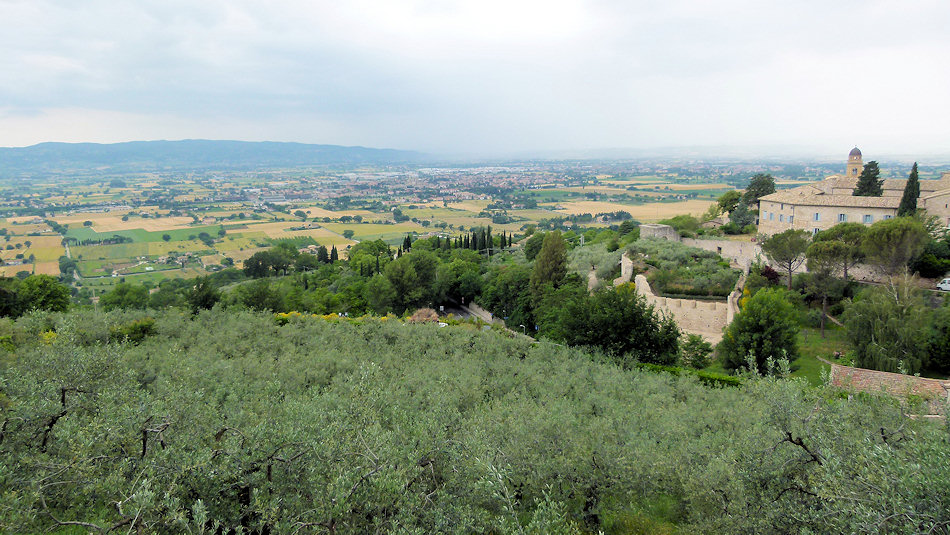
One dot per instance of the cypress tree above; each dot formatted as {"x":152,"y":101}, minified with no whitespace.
{"x":869,"y":183}
{"x":911,"y":192}
{"x":377,"y":264}
{"x":550,"y":266}
{"x":334,"y":255}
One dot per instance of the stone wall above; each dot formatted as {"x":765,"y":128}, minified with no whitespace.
{"x":861,"y":380}
{"x":740,"y":253}
{"x":656,"y":230}
{"x":705,"y":318}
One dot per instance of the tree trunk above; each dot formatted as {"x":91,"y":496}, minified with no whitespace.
{"x":789,"y":277}
{"x":824,"y":312}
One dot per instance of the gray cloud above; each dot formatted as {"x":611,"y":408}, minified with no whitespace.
{"x":489,"y":76}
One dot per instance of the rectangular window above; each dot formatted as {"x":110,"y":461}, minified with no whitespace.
{"x":781,"y":217}
{"x":814,"y":231}
{"x":888,"y":217}
{"x":791,"y":219}
{"x":817,"y":216}
{"x":771,"y":216}
{"x":868,"y":218}
{"x":842,"y":218}
{"x":783,"y":206}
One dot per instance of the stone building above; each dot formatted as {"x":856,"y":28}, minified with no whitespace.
{"x":822,"y":205}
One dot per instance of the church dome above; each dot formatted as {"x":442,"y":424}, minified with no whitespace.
{"x":855,"y":152}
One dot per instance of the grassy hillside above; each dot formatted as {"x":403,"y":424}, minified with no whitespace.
{"x":231,"y":420}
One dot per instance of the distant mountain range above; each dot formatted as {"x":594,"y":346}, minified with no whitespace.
{"x":185,"y":155}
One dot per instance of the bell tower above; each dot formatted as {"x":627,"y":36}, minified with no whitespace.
{"x":855,"y":163}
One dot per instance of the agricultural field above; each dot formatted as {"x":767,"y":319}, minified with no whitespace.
{"x":371,"y":231}
{"x":316,"y":211}
{"x":125,"y":224}
{"x":641,"y":212}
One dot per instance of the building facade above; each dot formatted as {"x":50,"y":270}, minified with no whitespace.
{"x":822,"y":205}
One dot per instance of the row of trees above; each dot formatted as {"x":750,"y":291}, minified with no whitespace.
{"x":892,"y":327}
{"x":890,"y":245}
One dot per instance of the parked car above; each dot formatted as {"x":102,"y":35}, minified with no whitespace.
{"x":944,"y":285}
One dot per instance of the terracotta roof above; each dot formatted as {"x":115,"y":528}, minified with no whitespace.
{"x":820,"y":193}
{"x":824,"y":199}
{"x":925,"y":185}
{"x":939,"y":193}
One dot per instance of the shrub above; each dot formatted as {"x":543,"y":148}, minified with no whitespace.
{"x":765,"y":328}
{"x":133,"y":332}
{"x":424,"y":315}
{"x":695,"y":351}
{"x":684,"y":270}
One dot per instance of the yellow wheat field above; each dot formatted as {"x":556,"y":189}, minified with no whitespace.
{"x":112,"y":221}
{"x":471,"y":206}
{"x":641,"y":212}
{"x":281,"y":229}
{"x":316,"y":211}
{"x":681,"y":187}
{"x":42,"y":268}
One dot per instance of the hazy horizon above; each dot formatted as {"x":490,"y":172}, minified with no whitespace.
{"x":492,"y":80}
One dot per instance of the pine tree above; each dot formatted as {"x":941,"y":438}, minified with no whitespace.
{"x":869,"y":183}
{"x":334,"y":255}
{"x":911,"y":192}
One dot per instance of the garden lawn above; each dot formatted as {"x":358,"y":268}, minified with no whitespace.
{"x":811,"y":346}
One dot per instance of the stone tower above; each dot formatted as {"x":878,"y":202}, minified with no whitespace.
{"x":855,"y":164}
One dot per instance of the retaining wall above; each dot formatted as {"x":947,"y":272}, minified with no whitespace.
{"x":861,"y":380}
{"x":705,"y":318}
{"x":741,"y":253}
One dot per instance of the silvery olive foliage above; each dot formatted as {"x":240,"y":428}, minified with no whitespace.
{"x":233,"y":422}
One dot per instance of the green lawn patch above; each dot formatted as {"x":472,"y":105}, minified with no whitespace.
{"x":811,"y":346}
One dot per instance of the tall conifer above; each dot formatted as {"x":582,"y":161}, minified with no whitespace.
{"x":869,"y":183}
{"x":911,"y":192}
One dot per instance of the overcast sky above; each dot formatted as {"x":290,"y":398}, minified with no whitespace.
{"x":481,"y":76}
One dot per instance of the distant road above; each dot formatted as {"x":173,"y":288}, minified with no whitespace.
{"x":456,"y":311}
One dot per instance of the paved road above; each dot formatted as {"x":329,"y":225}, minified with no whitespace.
{"x":456,"y":311}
